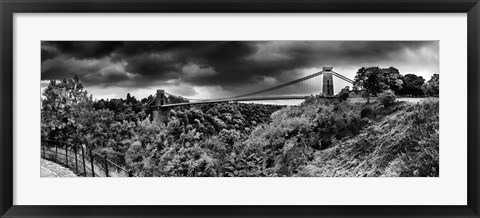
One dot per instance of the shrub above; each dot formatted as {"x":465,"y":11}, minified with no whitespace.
{"x":387,"y":98}
{"x":365,"y":112}
{"x":343,"y":95}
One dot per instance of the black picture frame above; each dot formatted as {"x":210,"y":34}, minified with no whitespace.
{"x":9,"y":7}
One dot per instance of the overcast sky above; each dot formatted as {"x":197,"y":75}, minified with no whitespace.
{"x":211,"y":69}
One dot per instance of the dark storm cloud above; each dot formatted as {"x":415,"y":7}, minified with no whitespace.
{"x":66,"y":68}
{"x":228,"y":64}
{"x":134,"y":48}
{"x":91,"y":72}
{"x":48,"y":52}
{"x":157,"y":60}
{"x":166,"y":60}
{"x":83,"y":49}
{"x":153,"y":66}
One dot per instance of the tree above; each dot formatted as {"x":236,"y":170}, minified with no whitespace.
{"x":431,"y":88}
{"x":371,"y":80}
{"x":343,"y":95}
{"x":130,"y":99}
{"x":393,"y":79}
{"x":63,"y":106}
{"x":374,"y":80}
{"x":412,"y":85}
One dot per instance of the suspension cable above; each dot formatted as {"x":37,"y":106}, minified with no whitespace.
{"x":340,"y":76}
{"x":264,"y":90}
{"x":151,"y":100}
{"x":274,"y":88}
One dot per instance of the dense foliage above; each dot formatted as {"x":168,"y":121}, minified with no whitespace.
{"x":402,"y":143}
{"x":387,"y":98}
{"x":374,"y":80}
{"x":321,"y":137}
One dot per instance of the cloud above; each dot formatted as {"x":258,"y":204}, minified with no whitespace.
{"x":83,"y":49}
{"x":230,"y":66}
{"x":193,"y":70}
{"x":153,"y":66}
{"x":48,"y":51}
{"x":91,"y":72}
{"x":182,"y":89}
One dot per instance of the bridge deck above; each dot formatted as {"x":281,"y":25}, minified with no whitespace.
{"x":262,"y":98}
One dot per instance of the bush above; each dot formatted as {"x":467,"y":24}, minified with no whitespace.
{"x":365,"y":112}
{"x":387,"y":98}
{"x":343,"y":95}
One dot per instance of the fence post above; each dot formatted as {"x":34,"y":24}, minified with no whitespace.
{"x":106,"y":165}
{"x":75,"y":152}
{"x":91,"y":162}
{"x":83,"y":161}
{"x":56,"y":152}
{"x":66,"y":156}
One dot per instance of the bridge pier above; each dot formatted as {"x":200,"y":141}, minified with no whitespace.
{"x":161,"y":114}
{"x":327,"y":88}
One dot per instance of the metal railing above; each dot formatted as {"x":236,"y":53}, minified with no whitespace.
{"x":82,"y":161}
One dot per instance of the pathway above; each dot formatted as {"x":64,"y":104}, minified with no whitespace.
{"x":51,"y":169}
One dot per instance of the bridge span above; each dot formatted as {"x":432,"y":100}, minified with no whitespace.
{"x":260,"y":98}
{"x":161,"y":109}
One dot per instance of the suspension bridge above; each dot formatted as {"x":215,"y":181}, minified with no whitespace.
{"x":161,"y":108}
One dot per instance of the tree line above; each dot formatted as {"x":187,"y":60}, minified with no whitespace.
{"x":371,"y":81}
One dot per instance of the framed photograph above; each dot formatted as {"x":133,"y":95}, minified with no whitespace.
{"x":239,"y":108}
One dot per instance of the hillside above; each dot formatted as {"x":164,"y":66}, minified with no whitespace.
{"x":400,"y":141}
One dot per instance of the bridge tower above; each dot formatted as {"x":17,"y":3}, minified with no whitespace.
{"x":327,"y":88}
{"x":161,"y":114}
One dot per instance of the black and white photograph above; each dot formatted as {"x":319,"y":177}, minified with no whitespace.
{"x":239,"y":108}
